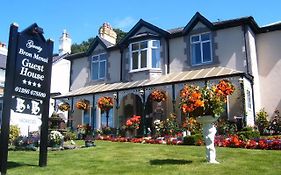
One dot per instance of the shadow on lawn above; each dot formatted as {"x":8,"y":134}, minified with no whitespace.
{"x":169,"y":161}
{"x":11,"y":165}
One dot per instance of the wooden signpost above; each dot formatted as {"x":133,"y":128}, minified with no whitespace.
{"x":27,"y":84}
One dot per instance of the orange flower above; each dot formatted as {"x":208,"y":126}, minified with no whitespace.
{"x":158,"y":96}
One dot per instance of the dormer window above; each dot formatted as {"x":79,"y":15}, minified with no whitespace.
{"x":98,"y":67}
{"x":201,"y":49}
{"x":145,"y":55}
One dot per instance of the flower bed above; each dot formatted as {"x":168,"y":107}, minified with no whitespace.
{"x":232,"y":141}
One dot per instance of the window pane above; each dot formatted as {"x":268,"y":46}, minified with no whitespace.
{"x":102,"y":69}
{"x":195,"y":38}
{"x":143,"y":58}
{"x":135,"y":46}
{"x":155,"y":58}
{"x":86,"y":118}
{"x":143,"y":45}
{"x":95,"y":69}
{"x":196,"y":53}
{"x":95,"y":58}
{"x":135,"y":60}
{"x":103,"y":57}
{"x":207,"y":52}
{"x":156,"y":43}
{"x":205,"y":37}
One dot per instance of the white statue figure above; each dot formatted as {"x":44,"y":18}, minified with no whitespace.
{"x":209,"y":132}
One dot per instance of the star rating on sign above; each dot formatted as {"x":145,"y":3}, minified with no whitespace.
{"x":30,"y":83}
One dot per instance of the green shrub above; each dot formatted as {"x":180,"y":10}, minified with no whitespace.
{"x":70,"y":135}
{"x":192,"y":140}
{"x":262,"y":121}
{"x":246,"y":135}
{"x":14,"y":133}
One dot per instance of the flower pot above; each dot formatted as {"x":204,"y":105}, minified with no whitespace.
{"x":209,"y":132}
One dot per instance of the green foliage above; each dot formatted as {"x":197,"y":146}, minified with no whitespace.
{"x":76,"y":48}
{"x":225,"y":127}
{"x":248,"y":134}
{"x":14,"y":133}
{"x":262,"y":120}
{"x":70,"y":135}
{"x":120,"y":34}
{"x":171,"y":126}
{"x":193,"y":139}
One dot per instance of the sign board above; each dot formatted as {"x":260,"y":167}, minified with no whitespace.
{"x":27,"y":86}
{"x":27,"y":106}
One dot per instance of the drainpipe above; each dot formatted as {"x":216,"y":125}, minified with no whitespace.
{"x":246,"y":50}
{"x":121,"y":63}
{"x":168,"y":55}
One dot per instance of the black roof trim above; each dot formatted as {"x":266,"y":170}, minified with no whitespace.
{"x":105,"y":44}
{"x":142,"y":23}
{"x":270,"y":28}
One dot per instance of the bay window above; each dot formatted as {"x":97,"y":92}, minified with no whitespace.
{"x":145,"y":55}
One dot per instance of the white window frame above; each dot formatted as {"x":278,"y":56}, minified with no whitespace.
{"x":148,"y":54}
{"x":201,"y":48}
{"x":99,"y":63}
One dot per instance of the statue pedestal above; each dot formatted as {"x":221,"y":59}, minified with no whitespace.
{"x":209,"y":132}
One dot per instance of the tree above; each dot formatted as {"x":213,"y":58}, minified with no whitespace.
{"x":75,"y":48}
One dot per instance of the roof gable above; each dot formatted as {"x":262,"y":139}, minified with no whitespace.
{"x":194,"y":21}
{"x":140,"y":24}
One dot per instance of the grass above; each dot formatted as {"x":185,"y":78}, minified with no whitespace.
{"x":109,"y":158}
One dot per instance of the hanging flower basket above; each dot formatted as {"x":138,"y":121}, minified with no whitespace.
{"x":83,"y":104}
{"x":64,"y":107}
{"x":105,"y":103}
{"x":158,"y":95}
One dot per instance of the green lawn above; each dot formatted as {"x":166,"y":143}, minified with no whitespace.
{"x":109,"y":158}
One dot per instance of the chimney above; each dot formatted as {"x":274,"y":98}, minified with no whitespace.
{"x":65,"y":43}
{"x":3,"y":49}
{"x":106,"y":32}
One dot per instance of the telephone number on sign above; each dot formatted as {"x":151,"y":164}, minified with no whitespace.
{"x":30,"y":92}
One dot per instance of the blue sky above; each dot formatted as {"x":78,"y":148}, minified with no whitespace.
{"x":83,"y":18}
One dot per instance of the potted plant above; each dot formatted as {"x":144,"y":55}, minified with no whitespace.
{"x":206,"y":104}
{"x":158,"y":96}
{"x":105,"y":104}
{"x":83,"y":104}
{"x":64,"y":106}
{"x":132,"y":125}
{"x":55,"y":139}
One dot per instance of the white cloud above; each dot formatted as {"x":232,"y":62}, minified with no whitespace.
{"x":125,"y":23}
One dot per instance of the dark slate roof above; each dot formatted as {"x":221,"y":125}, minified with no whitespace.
{"x":3,"y":59}
{"x":105,"y":42}
{"x":175,"y":30}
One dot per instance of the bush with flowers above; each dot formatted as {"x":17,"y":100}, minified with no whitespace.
{"x":83,"y":104}
{"x":64,"y":106}
{"x":158,"y":95}
{"x":133,"y":123}
{"x":199,"y":101}
{"x":55,"y":138}
{"x":105,"y":103}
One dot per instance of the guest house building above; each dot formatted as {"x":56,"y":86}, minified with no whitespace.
{"x":149,"y":58}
